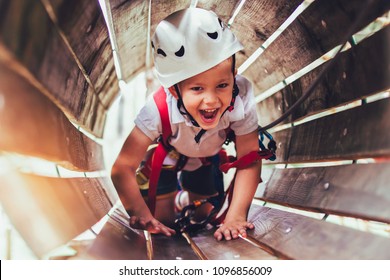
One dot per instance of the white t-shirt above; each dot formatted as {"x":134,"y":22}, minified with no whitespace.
{"x":242,"y":120}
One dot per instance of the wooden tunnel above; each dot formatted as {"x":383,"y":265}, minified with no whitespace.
{"x":59,"y":78}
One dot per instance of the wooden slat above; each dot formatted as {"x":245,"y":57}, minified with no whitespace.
{"x":257,"y":21}
{"x":312,"y":34}
{"x":361,"y":132}
{"x":172,"y":248}
{"x":359,"y":72}
{"x":358,"y":190}
{"x":237,"y":249}
{"x":130,"y":19}
{"x":83,"y":25}
{"x":294,"y":236}
{"x":48,"y":212}
{"x":33,"y":125}
{"x":224,"y":9}
{"x":40,"y":53}
{"x":115,"y":242}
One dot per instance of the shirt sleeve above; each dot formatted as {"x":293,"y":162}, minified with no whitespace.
{"x":250,"y":121}
{"x":148,"y":120}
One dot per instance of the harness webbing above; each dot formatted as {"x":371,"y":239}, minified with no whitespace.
{"x":162,"y":148}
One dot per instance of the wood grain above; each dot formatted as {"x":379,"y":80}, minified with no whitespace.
{"x":257,"y":21}
{"x":316,"y":31}
{"x":48,"y":212}
{"x":84,"y":28}
{"x":33,"y":125}
{"x":295,"y":236}
{"x":358,"y":190}
{"x":43,"y":53}
{"x":359,"y":72}
{"x":361,"y":132}
{"x":115,"y":242}
{"x":237,"y":249}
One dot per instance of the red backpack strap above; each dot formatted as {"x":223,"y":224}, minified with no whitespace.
{"x":161,"y":150}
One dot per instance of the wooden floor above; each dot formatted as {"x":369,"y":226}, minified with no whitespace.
{"x":118,"y":241}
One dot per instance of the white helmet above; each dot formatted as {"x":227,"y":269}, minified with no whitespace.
{"x":189,"y":42}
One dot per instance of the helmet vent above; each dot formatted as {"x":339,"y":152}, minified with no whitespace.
{"x":160,"y":51}
{"x":213,"y":35}
{"x":180,"y":52}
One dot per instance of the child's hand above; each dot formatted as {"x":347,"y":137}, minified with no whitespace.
{"x":152,"y":225}
{"x":231,"y":229}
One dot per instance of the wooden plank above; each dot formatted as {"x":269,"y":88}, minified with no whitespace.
{"x":83,"y":25}
{"x":36,"y":49}
{"x":358,"y":190}
{"x":293,"y":236}
{"x":172,"y":248}
{"x":130,"y":19}
{"x":115,"y":242}
{"x":48,"y":212}
{"x":359,"y":72}
{"x":224,"y":9}
{"x":316,"y":31}
{"x":257,"y":21}
{"x":33,"y":125}
{"x":238,"y":249}
{"x":361,"y":132}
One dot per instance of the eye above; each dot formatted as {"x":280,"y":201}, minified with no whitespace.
{"x":223,"y":85}
{"x":196,"y":88}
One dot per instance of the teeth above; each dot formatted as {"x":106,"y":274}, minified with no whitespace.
{"x":210,"y":110}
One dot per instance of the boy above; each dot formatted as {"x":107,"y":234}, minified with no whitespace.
{"x":195,"y":63}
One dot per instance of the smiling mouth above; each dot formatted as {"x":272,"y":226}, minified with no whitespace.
{"x":209,"y":114}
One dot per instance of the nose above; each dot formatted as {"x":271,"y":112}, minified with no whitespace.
{"x":210,"y":97}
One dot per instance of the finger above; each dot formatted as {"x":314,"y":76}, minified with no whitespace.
{"x":134,"y":221}
{"x":153,"y":226}
{"x":218,"y":235}
{"x":168,"y":231}
{"x":243,"y":232}
{"x":234,"y":233}
{"x":249,"y":225}
{"x":226,"y":234}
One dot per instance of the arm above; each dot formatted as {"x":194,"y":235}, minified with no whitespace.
{"x":123,"y":177}
{"x":245,"y":186}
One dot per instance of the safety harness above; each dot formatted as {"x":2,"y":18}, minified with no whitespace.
{"x":225,"y":162}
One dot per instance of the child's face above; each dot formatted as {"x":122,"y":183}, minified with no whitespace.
{"x":207,"y":95}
